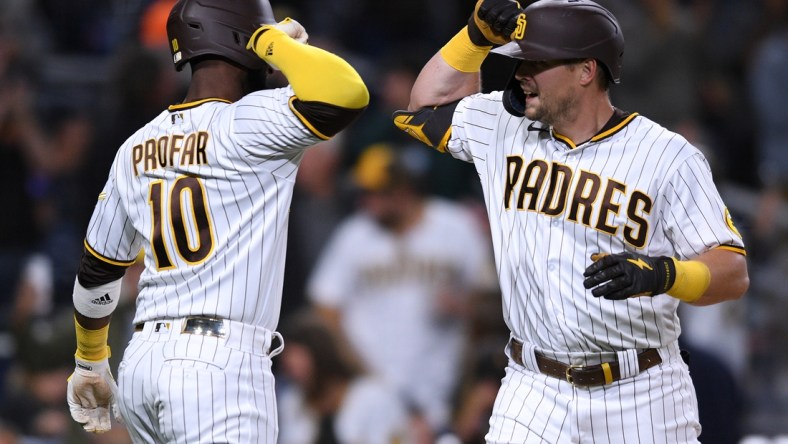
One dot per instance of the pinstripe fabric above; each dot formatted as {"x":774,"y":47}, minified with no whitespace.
{"x":541,"y":258}
{"x":641,"y":188}
{"x":656,"y":406}
{"x":181,"y":388}
{"x":205,"y":189}
{"x":254,"y":148}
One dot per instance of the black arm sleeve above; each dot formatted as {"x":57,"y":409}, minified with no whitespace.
{"x":94,"y":272}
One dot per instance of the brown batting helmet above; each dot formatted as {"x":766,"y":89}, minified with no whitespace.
{"x":566,"y":29}
{"x":197,"y":28}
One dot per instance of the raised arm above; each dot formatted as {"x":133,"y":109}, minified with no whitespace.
{"x":329,"y":93}
{"x":454,"y":72}
{"x":439,"y":83}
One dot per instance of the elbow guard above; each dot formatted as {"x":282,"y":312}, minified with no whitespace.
{"x":431,"y":126}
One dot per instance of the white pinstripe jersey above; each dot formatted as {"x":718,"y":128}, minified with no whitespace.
{"x":205,"y":189}
{"x":635,"y":187}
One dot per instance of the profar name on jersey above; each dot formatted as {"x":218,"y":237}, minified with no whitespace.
{"x":169,"y":150}
{"x":591,"y":200}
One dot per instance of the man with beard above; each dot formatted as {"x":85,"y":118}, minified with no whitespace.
{"x":603,"y":222}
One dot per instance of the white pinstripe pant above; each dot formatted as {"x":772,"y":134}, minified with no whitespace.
{"x":656,"y":406}
{"x":186,"y":388}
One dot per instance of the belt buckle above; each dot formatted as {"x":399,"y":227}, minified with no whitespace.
{"x":204,"y":327}
{"x":568,"y":373}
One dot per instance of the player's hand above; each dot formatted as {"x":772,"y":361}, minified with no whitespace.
{"x":293,"y":29}
{"x":91,"y":395}
{"x":289,"y":26}
{"x":496,"y":22}
{"x":624,"y":275}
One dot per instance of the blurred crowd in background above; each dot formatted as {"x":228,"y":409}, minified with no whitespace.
{"x":78,"y":77}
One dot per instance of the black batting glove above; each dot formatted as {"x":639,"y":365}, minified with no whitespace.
{"x":624,"y":275}
{"x":494,"y":22}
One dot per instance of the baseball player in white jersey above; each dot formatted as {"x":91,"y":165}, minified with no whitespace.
{"x":603,"y":222}
{"x":396,"y":276}
{"x":204,"y":189}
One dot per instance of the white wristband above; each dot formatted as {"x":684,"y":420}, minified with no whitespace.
{"x":96,"y":302}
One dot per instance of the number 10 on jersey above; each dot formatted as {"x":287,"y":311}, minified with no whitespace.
{"x":183,"y":206}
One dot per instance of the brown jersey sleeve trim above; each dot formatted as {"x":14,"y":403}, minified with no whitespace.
{"x":323,"y":119}
{"x":734,"y":249}
{"x":98,"y":256}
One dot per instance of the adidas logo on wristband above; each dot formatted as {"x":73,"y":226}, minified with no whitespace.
{"x":104,"y":300}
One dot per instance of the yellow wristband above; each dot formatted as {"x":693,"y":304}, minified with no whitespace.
{"x":692,"y":280}
{"x":461,"y":54}
{"x":92,"y":344}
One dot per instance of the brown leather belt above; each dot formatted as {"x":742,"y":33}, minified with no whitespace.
{"x":584,"y":375}
{"x":196,"y":325}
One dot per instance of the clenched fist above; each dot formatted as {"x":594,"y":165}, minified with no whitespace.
{"x":496,"y":22}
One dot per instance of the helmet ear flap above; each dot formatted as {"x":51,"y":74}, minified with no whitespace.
{"x":513,"y":96}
